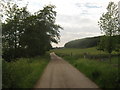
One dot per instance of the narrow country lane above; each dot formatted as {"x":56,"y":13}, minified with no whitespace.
{"x":60,"y":74}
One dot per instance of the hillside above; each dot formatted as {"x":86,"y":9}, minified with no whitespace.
{"x":83,"y":43}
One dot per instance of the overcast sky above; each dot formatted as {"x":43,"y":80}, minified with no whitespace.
{"x":79,"y":18}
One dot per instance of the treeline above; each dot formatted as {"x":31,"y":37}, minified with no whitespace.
{"x":88,"y":42}
{"x":83,"y":43}
{"x":27,"y":35}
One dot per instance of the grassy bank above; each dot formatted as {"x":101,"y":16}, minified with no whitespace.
{"x":103,"y":73}
{"x":23,"y":73}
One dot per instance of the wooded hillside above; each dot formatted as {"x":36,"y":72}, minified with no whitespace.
{"x":85,"y":42}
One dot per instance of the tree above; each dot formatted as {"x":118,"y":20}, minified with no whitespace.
{"x":101,"y":44}
{"x":43,"y":30}
{"x":109,"y":25}
{"x":31,"y":34}
{"x":12,"y":30}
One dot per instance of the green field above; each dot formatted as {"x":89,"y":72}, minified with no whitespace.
{"x":103,"y":73}
{"x":23,"y":73}
{"x":76,"y":51}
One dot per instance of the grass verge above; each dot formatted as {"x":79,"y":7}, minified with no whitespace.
{"x":24,"y":72}
{"x":105,"y":75}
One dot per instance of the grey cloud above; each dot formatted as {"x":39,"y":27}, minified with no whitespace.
{"x":82,"y":30}
{"x":91,"y":5}
{"x":79,"y":4}
{"x":73,"y":20}
{"x":87,"y":5}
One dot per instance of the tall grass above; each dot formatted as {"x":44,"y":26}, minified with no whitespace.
{"x":103,"y":74}
{"x":24,"y":72}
